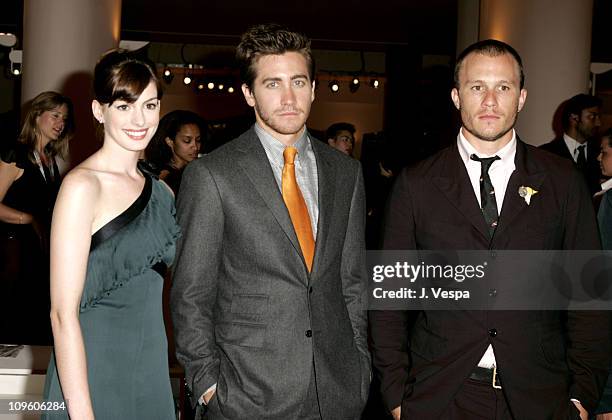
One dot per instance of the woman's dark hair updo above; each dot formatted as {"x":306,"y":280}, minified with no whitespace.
{"x":119,"y":75}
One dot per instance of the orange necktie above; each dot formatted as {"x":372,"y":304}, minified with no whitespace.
{"x":297,"y":207}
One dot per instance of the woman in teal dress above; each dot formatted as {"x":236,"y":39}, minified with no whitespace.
{"x":112,"y":238}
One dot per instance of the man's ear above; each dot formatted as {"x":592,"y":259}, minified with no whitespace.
{"x":248,"y":95}
{"x":455,"y":98}
{"x":330,"y":142}
{"x":312,"y":95}
{"x":522,"y":99}
{"x":96,"y":109}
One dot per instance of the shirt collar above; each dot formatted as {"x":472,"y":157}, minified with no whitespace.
{"x":275,"y":146}
{"x":571,"y":143}
{"x":606,"y":185}
{"x":506,"y":153}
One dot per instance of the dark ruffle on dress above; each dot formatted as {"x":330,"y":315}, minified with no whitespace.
{"x":121,"y":312}
{"x":24,"y":256}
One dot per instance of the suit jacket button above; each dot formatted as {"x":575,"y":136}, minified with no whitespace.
{"x":492,"y":332}
{"x":493,"y":292}
{"x":308,"y":333}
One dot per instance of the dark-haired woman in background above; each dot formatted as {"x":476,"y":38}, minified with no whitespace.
{"x":29,"y":181}
{"x":176,"y":143}
{"x":112,"y":237}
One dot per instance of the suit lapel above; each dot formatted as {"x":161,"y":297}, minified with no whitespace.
{"x":255,"y":164}
{"x":455,"y":184}
{"x":524,"y":176}
{"x":326,"y":173}
{"x":563,"y":150}
{"x":592,"y":152}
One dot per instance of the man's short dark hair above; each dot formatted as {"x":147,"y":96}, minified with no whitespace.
{"x":334,"y":129}
{"x":576,"y":104}
{"x":270,"y":39}
{"x":491,"y":48}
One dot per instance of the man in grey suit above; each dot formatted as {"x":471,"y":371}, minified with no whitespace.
{"x":270,"y":267}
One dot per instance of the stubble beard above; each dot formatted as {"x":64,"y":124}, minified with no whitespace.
{"x":587,"y":134}
{"x":494,"y":137}
{"x":269,"y":120}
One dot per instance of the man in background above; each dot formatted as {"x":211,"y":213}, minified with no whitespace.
{"x":581,"y":124}
{"x":341,"y":136}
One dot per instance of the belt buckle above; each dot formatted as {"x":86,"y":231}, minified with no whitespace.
{"x":495,"y":380}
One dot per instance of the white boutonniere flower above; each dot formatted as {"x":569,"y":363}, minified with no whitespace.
{"x":526,"y":193}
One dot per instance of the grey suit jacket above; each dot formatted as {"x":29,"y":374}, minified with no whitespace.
{"x":247,"y":314}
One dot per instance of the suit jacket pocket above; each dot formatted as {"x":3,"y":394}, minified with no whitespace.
{"x":246,"y":334}
{"x":249,"y":304}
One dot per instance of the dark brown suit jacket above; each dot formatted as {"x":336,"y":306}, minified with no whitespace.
{"x":546,"y":356}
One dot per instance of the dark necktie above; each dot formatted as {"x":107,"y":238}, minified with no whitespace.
{"x":581,"y":159}
{"x":488,"y":204}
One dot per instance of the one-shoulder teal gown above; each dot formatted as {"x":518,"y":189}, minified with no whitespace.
{"x":121,"y":313}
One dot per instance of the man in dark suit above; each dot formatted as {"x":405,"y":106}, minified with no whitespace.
{"x":581,"y":124}
{"x":270,"y":266}
{"x":551,"y":364}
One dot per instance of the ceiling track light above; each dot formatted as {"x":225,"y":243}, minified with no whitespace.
{"x":354,"y":86}
{"x":375,"y":83}
{"x":167,"y":75}
{"x":8,"y":39}
{"x":334,"y":86}
{"x":188,"y":75}
{"x":15,"y":58}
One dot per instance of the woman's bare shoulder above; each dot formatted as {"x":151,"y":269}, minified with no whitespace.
{"x":82,"y":180}
{"x":87,"y":177}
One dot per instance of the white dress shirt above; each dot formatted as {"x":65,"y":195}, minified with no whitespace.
{"x":573,"y":145}
{"x":605,"y":186}
{"x":499,"y":172}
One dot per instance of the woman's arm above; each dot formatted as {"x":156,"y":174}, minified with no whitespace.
{"x":9,"y":173}
{"x":70,"y":240}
